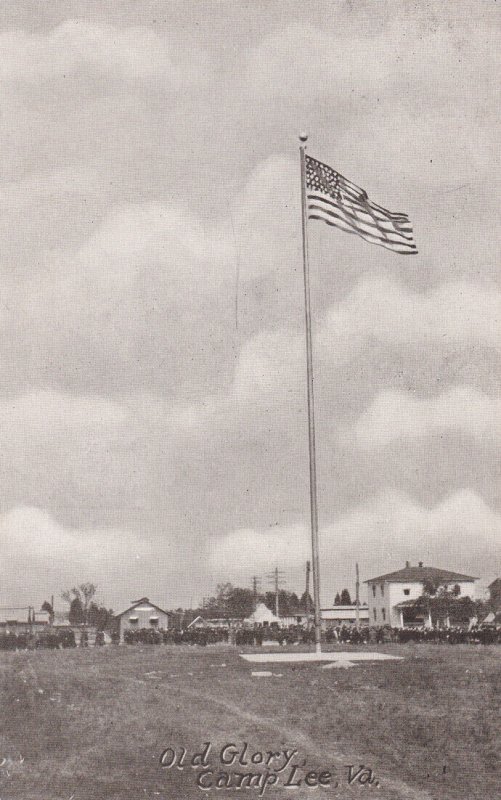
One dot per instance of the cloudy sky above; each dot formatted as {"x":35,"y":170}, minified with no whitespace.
{"x":153,"y":430}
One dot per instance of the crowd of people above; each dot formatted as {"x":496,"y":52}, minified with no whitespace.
{"x":49,"y":640}
{"x":55,"y":639}
{"x":297,"y":634}
{"x":199,"y":636}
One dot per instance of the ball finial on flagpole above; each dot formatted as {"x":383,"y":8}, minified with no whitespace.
{"x":303,"y":137}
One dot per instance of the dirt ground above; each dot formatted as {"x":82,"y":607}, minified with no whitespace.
{"x":93,"y":725}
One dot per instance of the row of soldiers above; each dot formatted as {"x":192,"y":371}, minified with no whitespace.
{"x":350,"y":634}
{"x":192,"y":636}
{"x":294,"y":634}
{"x":479,"y":634}
{"x":50,"y":639}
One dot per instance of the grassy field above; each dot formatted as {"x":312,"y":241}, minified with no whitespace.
{"x":92,"y":724}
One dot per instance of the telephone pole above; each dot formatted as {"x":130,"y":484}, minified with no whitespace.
{"x":255,"y":584}
{"x":307,"y":594}
{"x":357,"y":590}
{"x":277,"y":578}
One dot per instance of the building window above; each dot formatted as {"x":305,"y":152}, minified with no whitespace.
{"x":384,"y":614}
{"x":374,"y":591}
{"x":375,"y":614}
{"x":407,"y":592}
{"x":382,"y":588}
{"x":153,"y":620}
{"x":133,"y":620}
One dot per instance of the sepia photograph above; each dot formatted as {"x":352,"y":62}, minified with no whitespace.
{"x":250,"y":400}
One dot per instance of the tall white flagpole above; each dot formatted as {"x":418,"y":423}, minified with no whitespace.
{"x":311,"y":406}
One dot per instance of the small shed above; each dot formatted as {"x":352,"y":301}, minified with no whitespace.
{"x":337,"y":616}
{"x":142,"y":614}
{"x":21,"y":619}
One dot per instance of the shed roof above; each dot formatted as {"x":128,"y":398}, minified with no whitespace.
{"x":262,"y":614}
{"x":344,"y":612}
{"x":137,"y":603}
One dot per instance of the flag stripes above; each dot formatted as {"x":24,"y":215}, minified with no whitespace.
{"x":341,"y":203}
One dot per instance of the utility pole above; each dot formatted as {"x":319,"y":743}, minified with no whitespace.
{"x":277,"y":578}
{"x":255,"y":583}
{"x":357,"y":590}
{"x":307,"y":595}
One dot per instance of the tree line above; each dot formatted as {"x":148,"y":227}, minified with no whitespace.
{"x":83,"y":610}
{"x":235,"y":601}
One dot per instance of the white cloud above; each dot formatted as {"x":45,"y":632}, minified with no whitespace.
{"x":454,"y":314}
{"x":260,"y":550}
{"x":134,"y":394}
{"x":379,"y":321}
{"x":303,"y":60}
{"x":77,"y":452}
{"x":393,"y":415}
{"x":51,"y":557}
{"x":39,"y":187}
{"x":48,"y":410}
{"x":377,"y":312}
{"x":401,"y":98}
{"x":265,"y":219}
{"x":381,"y":534}
{"x":133,"y":52}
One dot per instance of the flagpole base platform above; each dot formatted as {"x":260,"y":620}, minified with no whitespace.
{"x":296,"y":658}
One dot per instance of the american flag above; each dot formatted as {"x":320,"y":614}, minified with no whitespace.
{"x":339,"y":202}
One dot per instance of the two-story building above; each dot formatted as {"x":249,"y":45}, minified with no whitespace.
{"x":391,"y":595}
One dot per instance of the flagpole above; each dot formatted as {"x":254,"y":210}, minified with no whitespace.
{"x":311,"y":406}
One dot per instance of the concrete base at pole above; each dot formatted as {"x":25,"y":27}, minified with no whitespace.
{"x":341,"y":656}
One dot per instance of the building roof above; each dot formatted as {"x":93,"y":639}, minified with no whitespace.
{"x":137,"y":603}
{"x":496,"y":582}
{"x":17,"y":614}
{"x":344,"y":612}
{"x":417,"y":603}
{"x":22,"y":615}
{"x":420,"y":574}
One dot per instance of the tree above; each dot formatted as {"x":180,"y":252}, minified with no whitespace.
{"x":240,"y":602}
{"x":76,"y":614}
{"x":84,"y":593}
{"x":99,"y":616}
{"x":431,"y":587}
{"x":46,"y":606}
{"x":345,"y":598}
{"x":88,"y":591}
{"x":337,"y":600}
{"x":306,"y":601}
{"x":219,"y":603}
{"x":445,"y":604}
{"x":288,"y":602}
